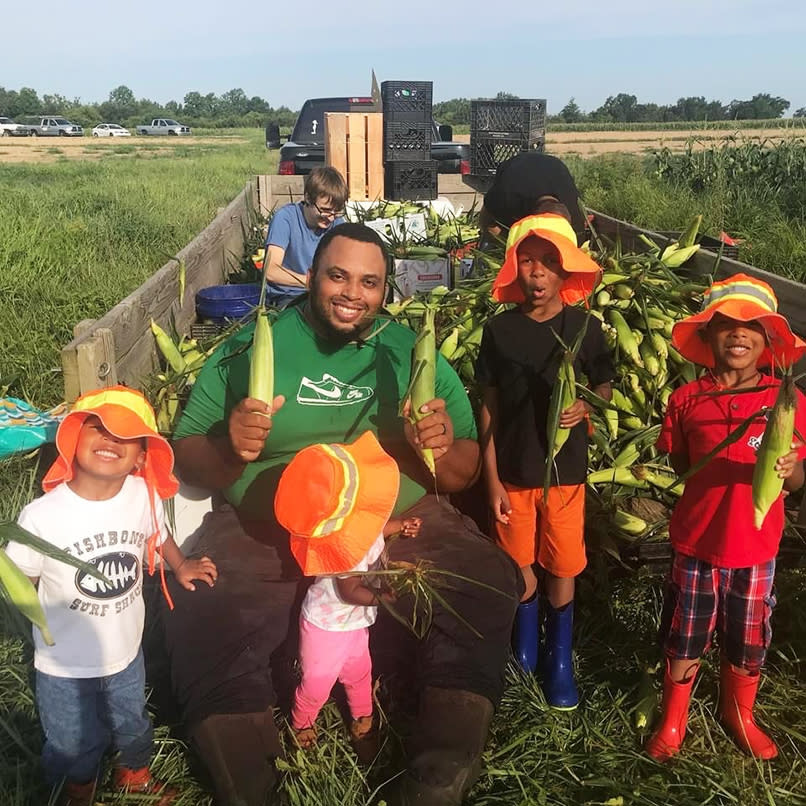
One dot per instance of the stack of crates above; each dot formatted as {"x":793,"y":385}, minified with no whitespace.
{"x":410,"y":173}
{"x":500,"y":129}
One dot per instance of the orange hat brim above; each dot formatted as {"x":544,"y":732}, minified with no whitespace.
{"x":583,"y":270}
{"x":783,"y":346}
{"x":124,"y":424}
{"x":342,"y":549}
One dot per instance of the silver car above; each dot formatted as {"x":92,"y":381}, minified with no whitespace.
{"x":52,"y":126}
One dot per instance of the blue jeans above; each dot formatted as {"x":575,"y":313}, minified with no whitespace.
{"x":83,"y":717}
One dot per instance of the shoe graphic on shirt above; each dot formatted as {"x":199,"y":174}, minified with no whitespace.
{"x":330,"y":391}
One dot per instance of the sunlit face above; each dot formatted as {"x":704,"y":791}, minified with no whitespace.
{"x":540,"y":271}
{"x":347,"y":288}
{"x":102,"y":456}
{"x":736,"y":345}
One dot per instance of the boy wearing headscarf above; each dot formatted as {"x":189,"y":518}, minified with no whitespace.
{"x":544,"y":273}
{"x":723,"y":567}
{"x":103,"y":505}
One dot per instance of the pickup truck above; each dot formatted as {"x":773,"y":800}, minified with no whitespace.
{"x":8,"y":128}
{"x":305,"y":148}
{"x":164,"y":126}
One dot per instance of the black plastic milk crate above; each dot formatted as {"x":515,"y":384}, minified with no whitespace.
{"x":411,"y":180}
{"x":405,"y":97}
{"x":403,"y":142}
{"x":522,"y":116}
{"x":487,"y":152}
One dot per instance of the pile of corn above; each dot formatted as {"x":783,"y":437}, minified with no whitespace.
{"x":640,"y":297}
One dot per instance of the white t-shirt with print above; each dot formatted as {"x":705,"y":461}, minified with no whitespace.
{"x":324,"y":608}
{"x":97,"y":628}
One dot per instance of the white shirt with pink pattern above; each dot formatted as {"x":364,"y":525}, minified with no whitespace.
{"x":324,"y":608}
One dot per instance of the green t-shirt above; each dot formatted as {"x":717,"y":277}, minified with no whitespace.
{"x":332,"y":394}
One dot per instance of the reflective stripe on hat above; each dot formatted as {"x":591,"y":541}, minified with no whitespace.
{"x":347,"y":495}
{"x":552,"y":223}
{"x":755,"y":291}
{"x":126,"y":398}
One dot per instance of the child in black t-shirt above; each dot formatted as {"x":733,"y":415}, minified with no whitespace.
{"x":545,"y":273}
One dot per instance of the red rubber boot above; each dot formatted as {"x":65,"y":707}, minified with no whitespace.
{"x":737,"y":697}
{"x":141,"y":782}
{"x":665,"y":742}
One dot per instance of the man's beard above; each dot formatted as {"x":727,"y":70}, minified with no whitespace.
{"x":325,"y":328}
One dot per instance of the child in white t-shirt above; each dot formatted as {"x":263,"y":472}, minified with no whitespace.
{"x":102,"y":505}
{"x":336,"y":501}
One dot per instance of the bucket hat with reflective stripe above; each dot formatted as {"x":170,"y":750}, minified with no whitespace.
{"x":127,"y":414}
{"x":335,"y":500}
{"x":745,"y":299}
{"x":582,"y":270}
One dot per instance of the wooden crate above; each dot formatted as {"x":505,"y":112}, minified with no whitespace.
{"x":354,"y":146}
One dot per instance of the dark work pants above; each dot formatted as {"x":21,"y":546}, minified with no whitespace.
{"x":225,"y":642}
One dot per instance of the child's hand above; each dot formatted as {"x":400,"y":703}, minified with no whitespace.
{"x":499,"y":502}
{"x":202,"y":569}
{"x":410,"y":527}
{"x":574,"y":414}
{"x":785,"y":466}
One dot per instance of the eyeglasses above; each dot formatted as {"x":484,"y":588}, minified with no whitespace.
{"x":326,"y":213}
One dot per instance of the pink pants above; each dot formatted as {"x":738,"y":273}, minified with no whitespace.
{"x":325,"y":657}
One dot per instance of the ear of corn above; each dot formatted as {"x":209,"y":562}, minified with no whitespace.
{"x":23,"y":595}
{"x":261,"y":368}
{"x":689,"y":234}
{"x":626,"y":340}
{"x":168,"y":349}
{"x":776,"y":442}
{"x":423,"y":373}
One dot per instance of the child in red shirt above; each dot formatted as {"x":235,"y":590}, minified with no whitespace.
{"x":723,"y":567}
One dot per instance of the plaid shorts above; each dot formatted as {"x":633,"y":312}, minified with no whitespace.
{"x":736,"y":602}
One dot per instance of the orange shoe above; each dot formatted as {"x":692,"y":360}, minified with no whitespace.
{"x":737,"y":697}
{"x":74,"y":794}
{"x":141,"y":782}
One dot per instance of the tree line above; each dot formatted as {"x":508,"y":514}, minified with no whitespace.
{"x":234,"y":109}
{"x":624,"y":108}
{"x":230,"y":109}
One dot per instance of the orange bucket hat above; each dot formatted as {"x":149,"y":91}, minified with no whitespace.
{"x":126,"y":414}
{"x":558,"y":231}
{"x":746,"y":299}
{"x":335,"y":500}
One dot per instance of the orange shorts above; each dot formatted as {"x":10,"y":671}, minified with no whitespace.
{"x":554,"y":535}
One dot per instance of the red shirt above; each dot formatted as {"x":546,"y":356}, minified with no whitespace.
{"x":713,"y":521}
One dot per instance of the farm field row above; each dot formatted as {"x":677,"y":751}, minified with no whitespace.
{"x":583,"y":143}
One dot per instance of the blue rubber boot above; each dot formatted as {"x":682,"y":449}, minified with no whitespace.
{"x":524,"y":634}
{"x":559,"y":685}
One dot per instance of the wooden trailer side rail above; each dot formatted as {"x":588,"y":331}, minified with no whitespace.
{"x":119,"y":347}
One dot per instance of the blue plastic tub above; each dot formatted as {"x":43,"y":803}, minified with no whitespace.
{"x":223,"y":303}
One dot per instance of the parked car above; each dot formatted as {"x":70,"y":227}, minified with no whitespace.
{"x":305,"y":148}
{"x":110,"y":130}
{"x":8,"y":128}
{"x":163,"y":126}
{"x":51,"y":126}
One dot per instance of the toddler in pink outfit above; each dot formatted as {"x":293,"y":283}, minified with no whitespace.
{"x":336,"y":502}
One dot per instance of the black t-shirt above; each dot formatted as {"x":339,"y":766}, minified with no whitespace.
{"x":521,"y":180}
{"x":520,"y":358}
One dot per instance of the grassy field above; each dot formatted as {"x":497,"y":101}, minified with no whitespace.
{"x":78,"y":235}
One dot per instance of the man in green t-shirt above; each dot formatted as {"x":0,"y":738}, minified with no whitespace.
{"x":340,"y":370}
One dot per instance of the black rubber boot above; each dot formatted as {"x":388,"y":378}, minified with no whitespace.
{"x":449,"y":736}
{"x":238,"y":751}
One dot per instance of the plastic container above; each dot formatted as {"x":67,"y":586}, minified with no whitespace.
{"x":224,"y":303}
{"x":411,"y":181}
{"x":404,"y":142}
{"x":406,"y":96}
{"x":513,"y":117}
{"x":487,"y":152}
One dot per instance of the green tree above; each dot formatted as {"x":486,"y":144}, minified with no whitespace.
{"x":800,"y":113}
{"x":759,"y":107}
{"x":25,"y":102}
{"x":571,"y":113}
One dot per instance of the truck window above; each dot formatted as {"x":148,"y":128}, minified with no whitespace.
{"x":162,"y":123}
{"x":310,"y":126}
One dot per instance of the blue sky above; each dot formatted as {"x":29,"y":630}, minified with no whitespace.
{"x":287,"y":52}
